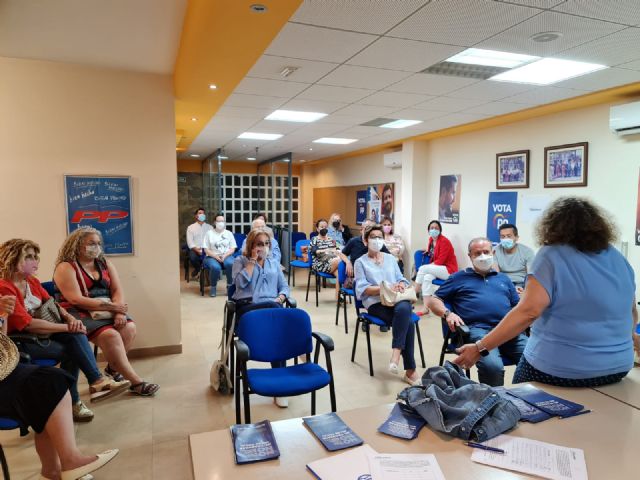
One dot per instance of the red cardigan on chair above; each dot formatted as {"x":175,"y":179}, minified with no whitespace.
{"x":444,"y":254}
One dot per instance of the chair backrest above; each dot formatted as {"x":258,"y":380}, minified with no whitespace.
{"x":313,"y":234}
{"x":296,"y":237}
{"x":299,"y":245}
{"x":240,"y":238}
{"x":420,"y":258}
{"x":50,"y":287}
{"x":357,"y":301}
{"x":276,"y":334}
{"x":231,"y":289}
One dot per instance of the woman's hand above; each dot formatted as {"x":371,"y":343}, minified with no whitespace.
{"x":7,"y":304}
{"x":468,"y":356}
{"x":119,"y":320}
{"x":115,"y":307}
{"x":399,"y":287}
{"x":75,"y":325}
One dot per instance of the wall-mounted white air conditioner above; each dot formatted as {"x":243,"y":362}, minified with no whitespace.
{"x":625,"y":119}
{"x":393,"y":160}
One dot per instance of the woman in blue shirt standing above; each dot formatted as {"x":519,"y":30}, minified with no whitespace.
{"x":579,"y":300}
{"x":370,"y":271}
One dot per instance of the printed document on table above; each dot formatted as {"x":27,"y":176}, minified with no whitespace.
{"x":404,"y":467}
{"x":536,"y":458}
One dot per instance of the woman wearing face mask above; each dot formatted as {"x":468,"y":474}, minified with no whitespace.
{"x":66,"y":341}
{"x":442,"y":262}
{"x":219,"y":245}
{"x":325,"y":252}
{"x":88,"y":283}
{"x":338,"y":231}
{"x":370,"y":271}
{"x":393,"y":241}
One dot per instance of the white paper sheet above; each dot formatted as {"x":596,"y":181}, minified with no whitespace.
{"x":530,"y":207}
{"x":536,"y":458}
{"x":404,"y":467}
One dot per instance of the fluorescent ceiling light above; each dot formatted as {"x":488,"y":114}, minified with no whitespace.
{"x":401,"y":123}
{"x":547,"y":71}
{"x":251,"y":158}
{"x":335,"y":141}
{"x":491,"y":58}
{"x":194,"y":155}
{"x":260,"y":136}
{"x":295,"y":116}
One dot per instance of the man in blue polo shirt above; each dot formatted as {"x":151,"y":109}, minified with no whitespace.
{"x":480,"y":298}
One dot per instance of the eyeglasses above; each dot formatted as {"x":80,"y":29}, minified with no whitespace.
{"x":261,"y":244}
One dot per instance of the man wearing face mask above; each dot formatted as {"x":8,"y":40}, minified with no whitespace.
{"x":219,"y":245}
{"x":512,"y":258}
{"x":195,"y":236}
{"x":480,"y":298}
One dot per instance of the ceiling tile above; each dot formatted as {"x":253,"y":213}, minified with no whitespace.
{"x":245,"y":112}
{"x":631,"y":65}
{"x":315,"y":43}
{"x":416,"y":56}
{"x":394,"y":99}
{"x":429,"y":84}
{"x":224,"y":123}
{"x":490,"y":90}
{"x":542,"y":95}
{"x":534,"y":3}
{"x":575,"y":31}
{"x":269,"y":66}
{"x":497,"y":108}
{"x":210,"y":140}
{"x":334,"y":94}
{"x":611,"y":77}
{"x":357,"y":15}
{"x":371,"y":110}
{"x":358,"y":132}
{"x":620,"y":11}
{"x":461,"y":22}
{"x":253,"y":101}
{"x":270,"y":88}
{"x":448,"y":104}
{"x":612,"y":50}
{"x":363,"y":77}
{"x":312,"y":105}
{"x":273,"y":126}
{"x":416,"y":114}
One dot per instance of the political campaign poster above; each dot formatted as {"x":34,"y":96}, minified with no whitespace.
{"x":501,"y":210}
{"x":449,"y":198}
{"x":361,"y":206}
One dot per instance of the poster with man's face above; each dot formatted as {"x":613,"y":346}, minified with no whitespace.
{"x":449,"y":198}
{"x":380,"y":202}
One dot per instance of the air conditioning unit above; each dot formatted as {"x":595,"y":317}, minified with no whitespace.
{"x":393,"y":160}
{"x":625,"y":119}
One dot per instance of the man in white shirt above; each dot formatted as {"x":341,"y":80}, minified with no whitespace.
{"x":195,"y":236}
{"x":219,"y":245}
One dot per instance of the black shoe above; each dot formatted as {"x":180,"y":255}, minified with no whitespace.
{"x":195,"y":274}
{"x":384,"y":329}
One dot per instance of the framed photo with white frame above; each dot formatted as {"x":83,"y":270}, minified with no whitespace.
{"x":566,"y":165}
{"x":512,"y":170}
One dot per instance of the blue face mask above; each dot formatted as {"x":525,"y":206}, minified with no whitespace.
{"x":434,"y":233}
{"x":202,"y":217}
{"x":507,"y":243}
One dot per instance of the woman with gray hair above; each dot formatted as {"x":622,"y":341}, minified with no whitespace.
{"x":579,"y":300}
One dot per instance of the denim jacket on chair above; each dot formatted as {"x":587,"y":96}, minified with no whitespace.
{"x":453,"y":404}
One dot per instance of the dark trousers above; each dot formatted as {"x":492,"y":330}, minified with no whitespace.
{"x":196,"y":260}
{"x":241,"y":309}
{"x":491,"y":367}
{"x":403,"y":330}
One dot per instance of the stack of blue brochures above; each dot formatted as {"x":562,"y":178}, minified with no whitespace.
{"x":550,"y":404}
{"x":528,"y":412}
{"x":254,"y":442}
{"x":332,"y":431}
{"x":402,"y":423}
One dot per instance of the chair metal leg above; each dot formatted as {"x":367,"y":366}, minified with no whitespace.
{"x":317,"y":288}
{"x":308,"y":286}
{"x":245,"y":394}
{"x":313,"y":402}
{"x":289,"y":276}
{"x":202,"y":282}
{"x":338,"y":306}
{"x":236,"y":393}
{"x":368,"y":332}
{"x":355,"y":338}
{"x":424,"y":365}
{"x":95,"y":351}
{"x":5,"y":466}
{"x":294,"y":274}
{"x":346,"y":326}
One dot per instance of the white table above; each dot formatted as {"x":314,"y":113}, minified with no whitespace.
{"x":626,"y":390}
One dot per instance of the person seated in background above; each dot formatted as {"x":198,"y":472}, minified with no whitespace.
{"x":90,"y":289}
{"x":274,"y":251}
{"x":370,"y":271}
{"x":512,"y":258}
{"x":337,"y":231}
{"x":356,"y":247}
{"x":219,"y":245}
{"x":480,"y":297}
{"x":38,"y":397}
{"x":442,"y":262}
{"x":195,"y":236}
{"x":393,"y":241}
{"x":263,"y":217}
{"x":259,"y":282}
{"x":579,"y":301}
{"x":325,"y":252}
{"x":67,"y":342}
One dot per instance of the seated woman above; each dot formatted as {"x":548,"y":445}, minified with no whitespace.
{"x":393,"y":241}
{"x":50,"y":417}
{"x":325,"y":252}
{"x":370,"y":271}
{"x":66,"y":341}
{"x":89,"y":283}
{"x":579,"y":300}
{"x":443,"y":262}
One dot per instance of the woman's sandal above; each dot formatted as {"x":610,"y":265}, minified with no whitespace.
{"x":145,"y":389}
{"x":117,"y":376}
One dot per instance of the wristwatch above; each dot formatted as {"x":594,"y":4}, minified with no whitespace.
{"x":446,"y":314}
{"x":482,"y":350}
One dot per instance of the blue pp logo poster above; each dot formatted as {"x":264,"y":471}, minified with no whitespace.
{"x":103,"y":203}
{"x":502,"y":209}
{"x":361,"y":206}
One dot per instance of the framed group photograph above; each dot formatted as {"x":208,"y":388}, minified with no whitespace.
{"x":512,"y":169}
{"x":566,"y":165}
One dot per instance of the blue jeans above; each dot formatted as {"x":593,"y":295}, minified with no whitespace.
{"x":74,"y":353}
{"x":215,"y":268}
{"x":403,"y":330}
{"x":491,"y":367}
{"x":196,"y":260}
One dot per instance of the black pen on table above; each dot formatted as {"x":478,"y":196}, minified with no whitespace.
{"x":483,"y":447}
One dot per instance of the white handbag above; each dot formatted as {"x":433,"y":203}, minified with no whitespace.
{"x":390,"y":297}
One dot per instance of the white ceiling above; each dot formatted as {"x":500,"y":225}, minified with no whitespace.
{"x":359,"y":59}
{"x":139,"y":35}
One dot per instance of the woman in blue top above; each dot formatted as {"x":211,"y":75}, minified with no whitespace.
{"x":579,"y":300}
{"x":370,"y":271}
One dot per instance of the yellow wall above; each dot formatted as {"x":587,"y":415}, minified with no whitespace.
{"x":66,"y":119}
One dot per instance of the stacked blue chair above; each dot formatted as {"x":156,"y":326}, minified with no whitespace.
{"x":277,"y":335}
{"x":299,"y":263}
{"x":344,"y":294}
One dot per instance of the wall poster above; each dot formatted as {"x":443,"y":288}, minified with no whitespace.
{"x":501,"y":210}
{"x":449,"y":198}
{"x":380,"y":202}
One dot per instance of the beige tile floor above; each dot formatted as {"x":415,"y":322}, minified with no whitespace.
{"x":152,"y":434}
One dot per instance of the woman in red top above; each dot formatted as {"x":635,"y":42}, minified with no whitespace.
{"x":442,"y":261}
{"x":91,"y":290}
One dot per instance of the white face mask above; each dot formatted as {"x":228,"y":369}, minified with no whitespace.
{"x":219,"y":226}
{"x":92,"y":251}
{"x":483,"y":263}
{"x":263,"y":252}
{"x":376,"y":244}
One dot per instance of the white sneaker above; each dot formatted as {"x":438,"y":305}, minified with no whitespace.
{"x":81,"y":413}
{"x":282,"y":402}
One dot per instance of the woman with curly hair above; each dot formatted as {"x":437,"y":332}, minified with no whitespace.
{"x":90,"y":289}
{"x":579,"y":300}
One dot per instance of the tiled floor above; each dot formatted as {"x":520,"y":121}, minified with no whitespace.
{"x":152,"y":434}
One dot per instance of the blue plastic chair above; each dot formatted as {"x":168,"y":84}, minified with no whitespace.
{"x":318,"y":276}
{"x":9,"y":424}
{"x":296,"y":237}
{"x":277,"y":335}
{"x":240,"y":238}
{"x":421,"y":258}
{"x":344,"y":294}
{"x":313,"y":234}
{"x":366,"y":320}
{"x":298,"y":263}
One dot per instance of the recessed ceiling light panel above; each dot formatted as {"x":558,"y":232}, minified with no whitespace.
{"x":260,"y":136}
{"x":491,"y":58}
{"x":547,"y":71}
{"x":335,"y":141}
{"x":295,"y":116}
{"x":401,"y":123}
